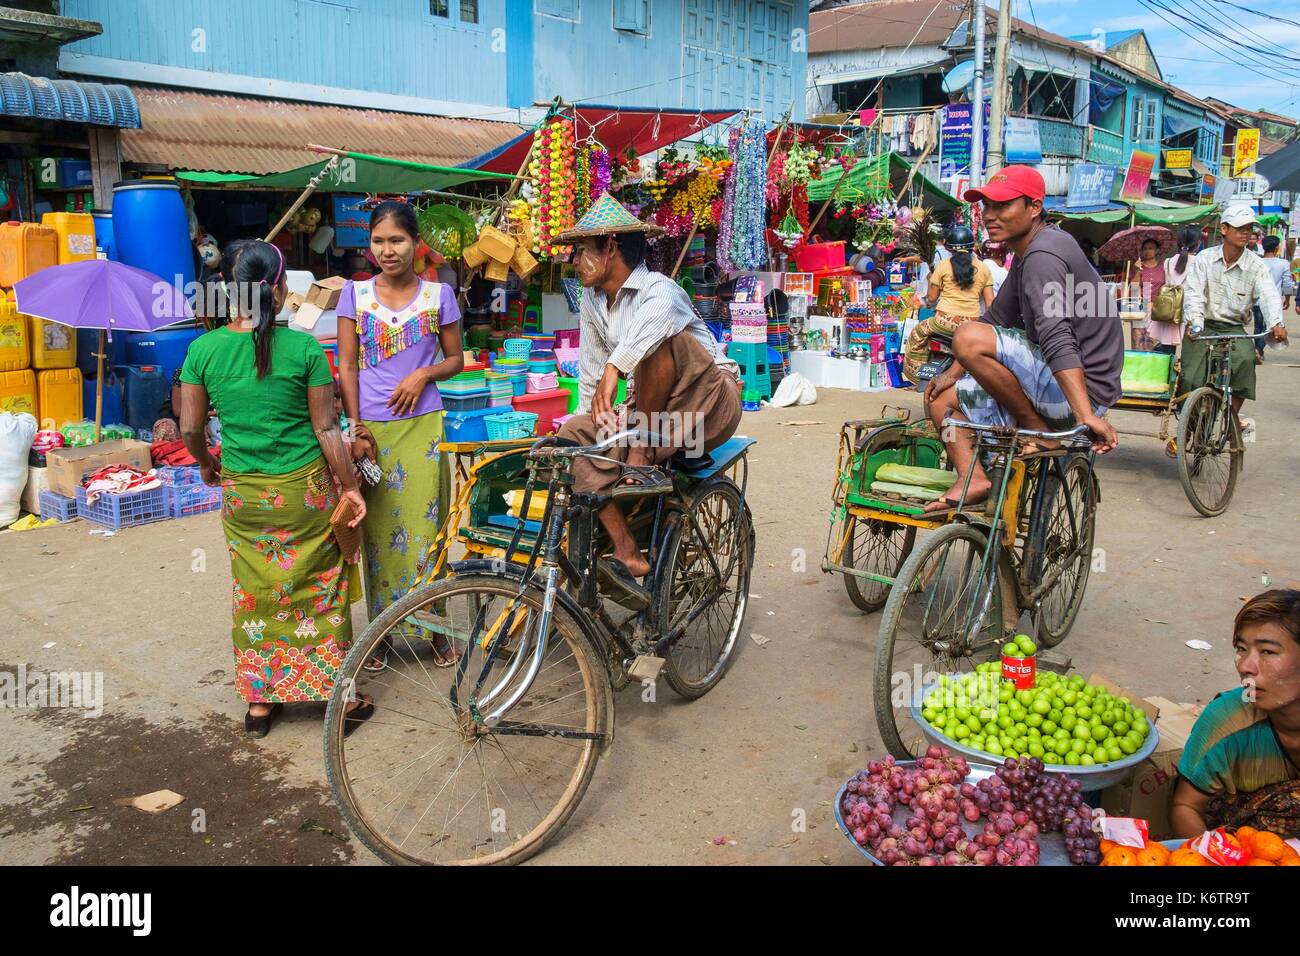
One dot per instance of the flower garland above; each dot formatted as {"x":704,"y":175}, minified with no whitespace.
{"x":744,"y":201}
{"x":551,"y":194}
{"x":582,"y":184}
{"x":601,"y":174}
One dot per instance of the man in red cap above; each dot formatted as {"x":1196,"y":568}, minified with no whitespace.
{"x":1047,"y":356}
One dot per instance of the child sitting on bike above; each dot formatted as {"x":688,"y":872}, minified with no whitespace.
{"x":640,"y":325}
{"x":1047,"y":355}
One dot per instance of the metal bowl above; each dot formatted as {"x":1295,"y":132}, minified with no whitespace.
{"x":1051,"y":846}
{"x":1097,"y":777}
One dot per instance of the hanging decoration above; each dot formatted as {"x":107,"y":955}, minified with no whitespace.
{"x":744,"y":198}
{"x":551,"y":194}
{"x":581,"y":183}
{"x":601,"y":176}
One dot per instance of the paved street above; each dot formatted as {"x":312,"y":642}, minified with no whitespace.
{"x":769,"y":745}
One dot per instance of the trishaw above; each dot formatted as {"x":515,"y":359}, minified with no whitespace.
{"x":482,"y":760}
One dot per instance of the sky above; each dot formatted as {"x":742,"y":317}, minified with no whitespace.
{"x":1188,"y":57}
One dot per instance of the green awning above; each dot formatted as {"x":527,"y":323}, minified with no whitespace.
{"x":872,"y":178}
{"x":355,"y":173}
{"x":1145,"y":215}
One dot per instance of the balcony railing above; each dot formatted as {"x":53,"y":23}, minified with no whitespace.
{"x":1105,"y":147}
{"x":1060,"y":138}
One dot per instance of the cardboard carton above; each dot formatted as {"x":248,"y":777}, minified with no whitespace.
{"x":325,"y":292}
{"x":67,"y":466}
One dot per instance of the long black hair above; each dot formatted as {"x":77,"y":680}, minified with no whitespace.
{"x":1189,"y":237}
{"x":402,"y":213}
{"x":961,"y":242}
{"x":256,"y":269}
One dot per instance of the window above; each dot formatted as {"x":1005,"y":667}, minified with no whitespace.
{"x":439,"y":8}
{"x":632,"y":16}
{"x":469,"y":11}
{"x":564,"y":9}
{"x":1145,"y":113}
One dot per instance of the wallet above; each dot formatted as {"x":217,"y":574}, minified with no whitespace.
{"x":349,"y":539}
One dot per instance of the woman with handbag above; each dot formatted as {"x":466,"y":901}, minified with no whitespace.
{"x":399,"y":334}
{"x":1164,"y":330}
{"x":282,"y":452}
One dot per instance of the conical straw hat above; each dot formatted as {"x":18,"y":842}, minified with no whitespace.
{"x":605,"y":217}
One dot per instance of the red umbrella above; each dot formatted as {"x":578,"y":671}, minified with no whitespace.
{"x":1126,"y":245}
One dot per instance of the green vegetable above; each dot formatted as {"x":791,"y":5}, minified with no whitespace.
{"x":934,"y":478}
{"x":908,"y":491}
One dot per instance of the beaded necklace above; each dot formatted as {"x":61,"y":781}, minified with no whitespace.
{"x":380,"y":339}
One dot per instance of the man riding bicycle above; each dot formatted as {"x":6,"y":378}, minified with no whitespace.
{"x":1222,"y":287}
{"x":640,"y":325}
{"x":1047,"y":355}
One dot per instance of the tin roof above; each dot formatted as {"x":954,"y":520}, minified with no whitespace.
{"x":185,"y":129}
{"x":68,"y":101}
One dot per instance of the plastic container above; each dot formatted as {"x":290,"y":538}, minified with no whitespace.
{"x":53,"y":345}
{"x":165,"y":348}
{"x":80,"y":434}
{"x":18,"y":392}
{"x":15,"y":338}
{"x":518,"y":348}
{"x":506,"y":425}
{"x":541,"y":382}
{"x":179,"y":474}
{"x":466,"y":401}
{"x":58,"y":395}
{"x":144,"y":389}
{"x":76,"y":232}
{"x":466,"y":426}
{"x":103,"y":221}
{"x":192,"y":499}
{"x":542,"y":367}
{"x":56,"y":506}
{"x":820,"y":256}
{"x":113,"y":392}
{"x":124,"y":511}
{"x":548,"y":406}
{"x":152,"y":230}
{"x":88,"y":345}
{"x":25,"y":248}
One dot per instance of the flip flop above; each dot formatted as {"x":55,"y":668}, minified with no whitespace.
{"x":261,"y":726}
{"x":358,"y":716}
{"x":377,"y":663}
{"x":624,"y":589}
{"x":940,"y":512}
{"x":644,"y":482}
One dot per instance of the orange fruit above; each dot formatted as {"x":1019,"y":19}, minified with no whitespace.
{"x":1268,"y":846}
{"x":1120,"y":856}
{"x":1106,"y":846}
{"x":1291,"y":859}
{"x":1258,"y":862}
{"x":1186,"y":856}
{"x":1153,"y":854}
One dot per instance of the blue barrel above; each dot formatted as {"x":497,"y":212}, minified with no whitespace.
{"x":88,"y":345}
{"x":152,"y":231}
{"x":164,"y":348}
{"x":113,"y":411}
{"x":144,"y":391}
{"x":104,"y":232}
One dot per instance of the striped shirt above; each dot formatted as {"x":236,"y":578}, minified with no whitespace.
{"x":1225,"y":295}
{"x":1234,"y":749}
{"x":649,"y":309}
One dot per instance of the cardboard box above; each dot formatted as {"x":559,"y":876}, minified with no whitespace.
{"x":325,"y":292}
{"x":1149,"y":792}
{"x":67,"y":466}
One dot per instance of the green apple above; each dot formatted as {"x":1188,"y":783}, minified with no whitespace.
{"x":1069,"y":722}
{"x":1082,"y":732}
{"x":1027,"y":647}
{"x":1054,"y":715}
{"x":960,"y":732}
{"x":1072,"y":759}
{"x":1085,"y":760}
{"x":1078,"y":746}
{"x":1120,"y":728}
{"x":1010,"y":650}
{"x":1034,"y":720}
{"x":1049,"y":727}
{"x":1041,"y":706}
{"x":1084,"y":711}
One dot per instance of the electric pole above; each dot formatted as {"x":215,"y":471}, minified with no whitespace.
{"x":977,"y":97}
{"x":998,"y":110}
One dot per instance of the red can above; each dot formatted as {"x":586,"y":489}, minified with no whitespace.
{"x":1019,"y":670}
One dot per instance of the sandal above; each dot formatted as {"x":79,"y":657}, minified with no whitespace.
{"x":621,"y":585}
{"x":261,"y":726}
{"x":358,"y":715}
{"x":441,"y":657}
{"x":638,"y":482}
{"x":377,"y":663}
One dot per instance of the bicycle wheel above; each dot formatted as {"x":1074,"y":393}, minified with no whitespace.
{"x":923,"y":632}
{"x":878,"y":547}
{"x":423,"y":781}
{"x":1060,"y":546}
{"x":710,"y":604}
{"x":1209,"y":451}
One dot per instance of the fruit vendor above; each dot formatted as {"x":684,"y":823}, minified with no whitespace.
{"x":1047,"y":355}
{"x":1241,"y":765}
{"x":640,"y":325}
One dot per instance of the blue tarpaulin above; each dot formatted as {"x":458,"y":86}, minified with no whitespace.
{"x":1101,"y":94}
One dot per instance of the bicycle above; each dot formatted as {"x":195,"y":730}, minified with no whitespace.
{"x":484,"y":761}
{"x":962,"y":590}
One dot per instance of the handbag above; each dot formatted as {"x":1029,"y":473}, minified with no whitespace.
{"x":1167,"y":306}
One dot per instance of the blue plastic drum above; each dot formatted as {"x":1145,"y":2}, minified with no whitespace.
{"x":104,"y":232}
{"x":164,"y":348}
{"x":151,"y":229}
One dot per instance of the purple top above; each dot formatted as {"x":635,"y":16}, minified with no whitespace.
{"x":394,"y":343}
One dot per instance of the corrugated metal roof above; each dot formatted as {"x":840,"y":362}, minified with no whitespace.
{"x":184,"y":129}
{"x":68,"y":101}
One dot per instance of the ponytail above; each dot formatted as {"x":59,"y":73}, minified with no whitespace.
{"x":963,"y":269}
{"x":256,"y":271}
{"x":1188,"y":239}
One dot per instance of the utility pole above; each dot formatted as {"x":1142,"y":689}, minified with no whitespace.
{"x":998,"y":110}
{"x":977,"y":97}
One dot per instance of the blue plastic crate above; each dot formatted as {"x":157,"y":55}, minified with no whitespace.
{"x":179,"y":474}
{"x":124,"y":511}
{"x":195,"y":499}
{"x":57,"y":506}
{"x":467,"y":426}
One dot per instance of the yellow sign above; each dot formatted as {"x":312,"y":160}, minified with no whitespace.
{"x":1247,"y":151}
{"x":1178,"y":159}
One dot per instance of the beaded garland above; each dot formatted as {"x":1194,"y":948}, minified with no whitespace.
{"x":380,"y":340}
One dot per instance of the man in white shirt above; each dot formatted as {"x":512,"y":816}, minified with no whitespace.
{"x":1223,"y":285}
{"x":640,"y":325}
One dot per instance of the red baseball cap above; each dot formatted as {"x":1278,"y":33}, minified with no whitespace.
{"x":1008,"y":183}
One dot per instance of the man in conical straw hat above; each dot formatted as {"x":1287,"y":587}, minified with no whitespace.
{"x":640,"y":325}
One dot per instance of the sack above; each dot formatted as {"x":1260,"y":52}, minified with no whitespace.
{"x":1167,"y":306}
{"x":16,"y":434}
{"x":794,"y":390}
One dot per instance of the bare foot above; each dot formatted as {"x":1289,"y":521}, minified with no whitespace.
{"x":635,"y":562}
{"x":1033,"y":446}
{"x":259,"y":710}
{"x":979,"y":490}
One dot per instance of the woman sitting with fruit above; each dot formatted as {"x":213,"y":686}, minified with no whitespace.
{"x":1241,"y":765}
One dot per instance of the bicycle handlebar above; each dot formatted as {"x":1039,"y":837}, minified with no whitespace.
{"x":1230,"y":335}
{"x":1076,"y":432}
{"x":541,"y":450}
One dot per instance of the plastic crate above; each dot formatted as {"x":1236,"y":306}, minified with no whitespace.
{"x":186,"y":500}
{"x":518,"y":348}
{"x":56,"y":506}
{"x":179,"y":474}
{"x":548,"y":406}
{"x":124,"y":511}
{"x":466,"y":426}
{"x":467,"y":401}
{"x":507,"y":425}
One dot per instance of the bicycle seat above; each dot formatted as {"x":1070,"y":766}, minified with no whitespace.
{"x":688,"y":463}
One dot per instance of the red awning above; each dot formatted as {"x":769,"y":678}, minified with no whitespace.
{"x":618,"y":128}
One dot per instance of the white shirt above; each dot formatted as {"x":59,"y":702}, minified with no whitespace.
{"x":998,"y":273}
{"x":1277,"y":267}
{"x":1216,"y":292}
{"x":649,"y":309}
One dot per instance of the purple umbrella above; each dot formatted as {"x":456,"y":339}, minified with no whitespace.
{"x":105,"y":295}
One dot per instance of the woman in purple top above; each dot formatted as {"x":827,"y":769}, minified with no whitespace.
{"x":398,"y":336}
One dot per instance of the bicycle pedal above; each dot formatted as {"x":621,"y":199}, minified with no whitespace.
{"x":646,"y":667}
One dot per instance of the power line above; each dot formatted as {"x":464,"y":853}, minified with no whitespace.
{"x":1248,"y":49}
{"x":1258,"y":13}
{"x":1253,"y":65}
{"x":1278,"y":48}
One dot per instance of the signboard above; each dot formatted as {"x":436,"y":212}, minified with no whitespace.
{"x":1246,"y":152}
{"x":1022,"y":142}
{"x":1090,"y":185}
{"x":955,"y":139}
{"x":1140,"y":165}
{"x":1178,"y":159}
{"x":1294,"y":232}
{"x":1207,"y":189}
{"x":351,"y":222}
